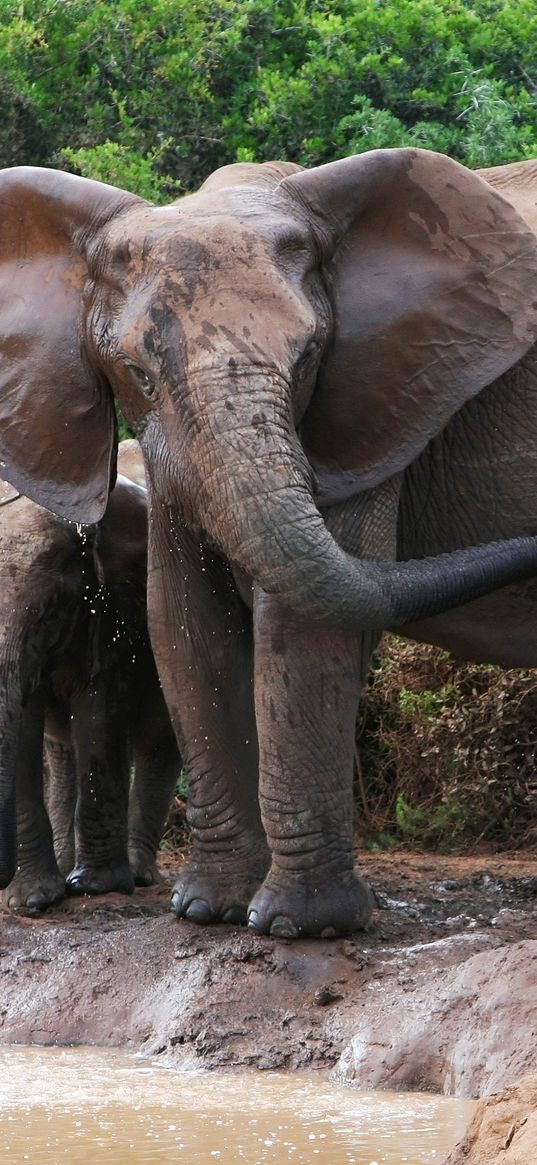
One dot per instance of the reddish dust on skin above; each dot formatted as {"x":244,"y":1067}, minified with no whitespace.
{"x":437,"y":995}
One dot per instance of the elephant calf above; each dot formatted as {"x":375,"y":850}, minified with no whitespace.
{"x":77,"y":675}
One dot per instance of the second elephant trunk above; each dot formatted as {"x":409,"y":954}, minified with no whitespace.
{"x":8,"y":819}
{"x":10,"y":732}
{"x":8,"y":840}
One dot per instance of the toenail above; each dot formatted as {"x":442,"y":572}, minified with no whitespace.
{"x":283,"y":927}
{"x":199,"y":911}
{"x":235,"y":914}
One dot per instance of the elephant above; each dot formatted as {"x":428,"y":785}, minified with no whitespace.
{"x":78,"y":677}
{"x":291,"y":348}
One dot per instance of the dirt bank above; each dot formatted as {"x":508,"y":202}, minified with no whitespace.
{"x":440,"y":993}
{"x":503,"y":1130}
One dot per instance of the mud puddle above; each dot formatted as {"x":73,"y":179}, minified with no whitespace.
{"x":438,"y":995}
{"x":79,"y":1104}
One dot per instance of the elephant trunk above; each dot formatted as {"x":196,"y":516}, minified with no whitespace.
{"x":8,"y":841}
{"x":256,"y":502}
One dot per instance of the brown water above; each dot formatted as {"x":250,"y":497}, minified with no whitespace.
{"x":85,"y":1106}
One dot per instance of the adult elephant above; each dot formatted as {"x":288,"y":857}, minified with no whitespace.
{"x":77,"y":671}
{"x":285,"y":344}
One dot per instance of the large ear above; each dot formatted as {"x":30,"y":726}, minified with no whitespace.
{"x":433,"y":281}
{"x":57,"y":422}
{"x":516,"y":182}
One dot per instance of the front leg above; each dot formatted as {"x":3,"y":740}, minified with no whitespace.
{"x":307,"y":683}
{"x":38,"y":882}
{"x":202,"y":640}
{"x":102,"y":762}
{"x":60,"y":781}
{"x":307,"y":690}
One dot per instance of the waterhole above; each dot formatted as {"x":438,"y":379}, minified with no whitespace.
{"x":80,"y":1105}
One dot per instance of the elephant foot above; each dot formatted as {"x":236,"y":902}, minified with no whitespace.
{"x":86,"y":879}
{"x":298,"y":905}
{"x":27,"y":892}
{"x":145,"y":871}
{"x":211,"y":894}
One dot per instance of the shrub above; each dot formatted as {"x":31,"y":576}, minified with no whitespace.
{"x":448,"y":750}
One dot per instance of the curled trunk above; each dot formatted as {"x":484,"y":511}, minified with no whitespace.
{"x":257,"y":504}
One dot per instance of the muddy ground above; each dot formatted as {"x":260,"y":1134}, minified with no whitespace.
{"x":440,"y":993}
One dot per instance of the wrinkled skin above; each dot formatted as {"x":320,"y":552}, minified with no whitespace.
{"x":79,"y":675}
{"x":477,"y":481}
{"x":285,"y":344}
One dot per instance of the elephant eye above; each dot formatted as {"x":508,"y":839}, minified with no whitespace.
{"x":143,"y":381}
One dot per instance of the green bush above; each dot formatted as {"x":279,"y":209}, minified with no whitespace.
{"x":448,"y":751}
{"x":154,"y":94}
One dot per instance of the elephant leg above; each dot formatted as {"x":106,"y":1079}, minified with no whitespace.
{"x":102,"y":763}
{"x":307,"y":691}
{"x":307,"y":683}
{"x":202,"y":639}
{"x":60,"y":798}
{"x":38,"y":882}
{"x":10,"y":731}
{"x":157,"y":765}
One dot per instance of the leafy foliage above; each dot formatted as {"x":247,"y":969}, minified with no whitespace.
{"x":448,"y":751}
{"x":154,"y":94}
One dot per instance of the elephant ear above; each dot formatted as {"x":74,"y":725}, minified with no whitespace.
{"x":433,"y":281}
{"x":57,"y":421}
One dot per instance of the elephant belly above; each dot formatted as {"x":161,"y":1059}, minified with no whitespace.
{"x":499,"y":629}
{"x":477,"y":483}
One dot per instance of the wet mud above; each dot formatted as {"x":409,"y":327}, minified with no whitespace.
{"x":439,"y":994}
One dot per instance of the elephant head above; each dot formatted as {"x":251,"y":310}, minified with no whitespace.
{"x":279,"y":337}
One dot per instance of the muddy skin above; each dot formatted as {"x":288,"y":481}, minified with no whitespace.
{"x":238,"y":330}
{"x":438,"y":993}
